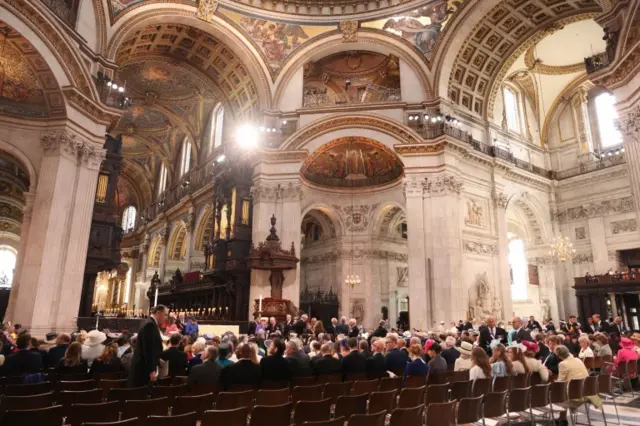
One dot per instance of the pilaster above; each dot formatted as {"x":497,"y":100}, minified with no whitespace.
{"x":500,"y":202}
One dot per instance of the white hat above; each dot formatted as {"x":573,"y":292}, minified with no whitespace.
{"x":95,"y":337}
{"x":465,"y":348}
{"x":441,"y":322}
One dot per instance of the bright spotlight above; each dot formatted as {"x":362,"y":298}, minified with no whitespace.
{"x":247,"y":136}
{"x":220,"y":158}
{"x":121,"y":89}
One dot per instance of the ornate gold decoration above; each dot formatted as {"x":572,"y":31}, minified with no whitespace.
{"x":539,"y":67}
{"x":421,"y":149}
{"x":207,"y":10}
{"x":562,"y":249}
{"x":349,"y":30}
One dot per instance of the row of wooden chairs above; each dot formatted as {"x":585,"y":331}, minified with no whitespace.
{"x":53,"y":377}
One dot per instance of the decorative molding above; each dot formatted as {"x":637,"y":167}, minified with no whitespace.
{"x":581,"y":233}
{"x":272,"y":192}
{"x":336,"y":255}
{"x":92,"y":156}
{"x":443,"y":185}
{"x":480,"y":248}
{"x":475,"y":215}
{"x":539,"y":67}
{"x":349,"y":30}
{"x":413,"y":187}
{"x":207,"y":10}
{"x":356,"y":217}
{"x":581,"y":258}
{"x":624,"y":226}
{"x":501,"y":200}
{"x":602,"y":208}
{"x":408,"y":150}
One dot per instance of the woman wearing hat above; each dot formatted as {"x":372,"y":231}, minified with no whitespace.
{"x":464,"y":361}
{"x":626,"y":353}
{"x":93,"y":345}
{"x":534,"y":365}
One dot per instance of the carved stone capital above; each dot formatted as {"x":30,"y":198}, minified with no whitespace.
{"x":264,"y":193}
{"x":413,"y":187}
{"x":291,"y":192}
{"x":207,"y":10}
{"x":443,"y":185}
{"x":63,"y":143}
{"x":164,"y":235}
{"x":92,"y":156}
{"x":349,"y":30}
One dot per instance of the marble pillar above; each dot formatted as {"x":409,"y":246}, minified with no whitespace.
{"x":289,"y":230}
{"x":189,"y":238}
{"x":503,"y":287}
{"x":598,"y":244}
{"x":164,"y":241}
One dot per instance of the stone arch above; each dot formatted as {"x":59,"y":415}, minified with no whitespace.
{"x":389,"y":129}
{"x":185,"y":15}
{"x":22,"y":157}
{"x":387,"y":217}
{"x":177,"y":242}
{"x":530,"y":208}
{"x":370,"y":40}
{"x":204,"y":227}
{"x":155,"y":252}
{"x":326,"y":215}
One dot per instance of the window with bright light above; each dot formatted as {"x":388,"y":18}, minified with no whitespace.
{"x":7,"y":266}
{"x":129,"y":218}
{"x":186,"y":157}
{"x":216,"y":128}
{"x":607,"y":116}
{"x":162,"y":179}
{"x":511,"y":110}
{"x":518,"y":266}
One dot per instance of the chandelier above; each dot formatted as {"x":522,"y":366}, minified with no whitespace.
{"x":352,"y":280}
{"x":562,"y":249}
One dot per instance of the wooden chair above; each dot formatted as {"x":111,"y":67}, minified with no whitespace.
{"x":461,"y":376}
{"x":242,"y":388}
{"x":415,"y":382}
{"x":398,"y":371}
{"x":494,"y":405}
{"x":235,"y":417}
{"x":461,"y":390}
{"x":557,"y":397}
{"x":165,"y":381}
{"x":632,"y":371}
{"x":303,"y":381}
{"x":469,"y":410}
{"x":335,"y":390}
{"x":76,"y":385}
{"x":442,"y":414}
{"x":389,"y":383}
{"x":272,"y":397}
{"x":519,"y":401}
{"x":605,"y":390}
{"x":413,"y":397}
{"x":50,"y":416}
{"x":73,"y":377}
{"x":376,"y":419}
{"x":307,"y":393}
{"x":348,"y":405}
{"x":68,"y":398}
{"x":31,"y":402}
{"x":382,"y":401}
{"x":364,"y":386}
{"x":437,"y":394}
{"x":323,"y":379}
{"x":352,"y":377}
{"x":146,"y":408}
{"x":335,"y":422}
{"x":169,"y":392}
{"x":187,"y":419}
{"x":312,"y":411}
{"x":189,"y":404}
{"x":589,"y":363}
{"x":274,"y":384}
{"x":589,"y":388}
{"x":481,"y":387}
{"x":26,"y":390}
{"x":129,"y":422}
{"x":128,"y":394}
{"x":271,"y":415}
{"x":107,"y":385}
{"x":232,"y":400}
{"x":407,"y":416}
{"x":100,"y":412}
{"x":520,"y":381}
{"x":109,"y":376}
{"x":535,"y":379}
{"x":502,"y":383}
{"x":200,"y":389}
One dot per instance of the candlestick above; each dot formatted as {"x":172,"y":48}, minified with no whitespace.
{"x":155,"y":300}
{"x":260,"y":305}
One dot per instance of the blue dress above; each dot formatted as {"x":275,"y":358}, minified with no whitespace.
{"x":416,"y":367}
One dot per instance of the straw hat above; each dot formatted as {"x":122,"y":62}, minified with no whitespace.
{"x":465,"y":348}
{"x":95,"y":337}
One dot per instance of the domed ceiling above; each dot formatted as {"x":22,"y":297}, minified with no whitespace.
{"x":352,"y":162}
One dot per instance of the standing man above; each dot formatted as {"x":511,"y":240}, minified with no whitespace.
{"x":353,"y":328}
{"x":519,"y":332}
{"x":146,"y":356}
{"x":533,"y":324}
{"x":288,"y":325}
{"x":489,"y":333}
{"x":599,"y":325}
{"x":342,"y":328}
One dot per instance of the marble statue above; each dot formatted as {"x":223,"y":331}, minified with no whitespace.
{"x":481,"y":305}
{"x":475,"y":215}
{"x":545,"y":309}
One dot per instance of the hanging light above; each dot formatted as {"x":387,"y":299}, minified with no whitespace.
{"x":562,"y":249}
{"x":352,"y":280}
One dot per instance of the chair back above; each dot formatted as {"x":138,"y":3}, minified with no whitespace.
{"x":128,"y":422}
{"x":469,"y":410}
{"x":352,"y":377}
{"x":312,"y":411}
{"x":407,"y":416}
{"x":364,"y":386}
{"x":540,"y":396}
{"x":336,"y":390}
{"x":442,"y":414}
{"x":201,"y":389}
{"x":535,"y":379}
{"x":30,"y":402}
{"x":101,"y":412}
{"x":461,"y":390}
{"x":231,"y":400}
{"x":604,"y":384}
{"x":107,"y":385}
{"x":73,"y":377}
{"x":589,"y":362}
{"x":590,"y":387}
{"x":235,"y":417}
{"x":146,"y":408}
{"x":461,"y":376}
{"x":376,"y":419}
{"x":26,"y":390}
{"x":68,"y":398}
{"x":190,"y":404}
{"x":41,"y":416}
{"x":128,"y":394}
{"x":272,"y":397}
{"x":348,"y":405}
{"x":390,"y":383}
{"x":379,"y":401}
{"x":598,"y":362}
{"x":621,"y":370}
{"x":323,"y":379}
{"x":274,"y":384}
{"x":558,"y":392}
{"x":108,"y":376}
{"x":519,"y":400}
{"x":169,"y":392}
{"x":494,"y":404}
{"x":76,"y":385}
{"x":339,"y":421}
{"x":437,"y":393}
{"x":520,"y":381}
{"x":307,"y":393}
{"x":271,"y":415}
{"x":502,"y":383}
{"x":187,"y":419}
{"x":574,"y":390}
{"x":415,"y":381}
{"x":304,"y":381}
{"x":481,"y":387}
{"x":607,"y":358}
{"x":411,"y":397}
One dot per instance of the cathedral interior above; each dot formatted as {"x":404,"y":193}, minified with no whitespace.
{"x":415,"y":161}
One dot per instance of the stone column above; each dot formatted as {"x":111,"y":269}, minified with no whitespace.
{"x":289,"y":231}
{"x":598,"y":244}
{"x":420,"y":311}
{"x":27,"y":212}
{"x":189,"y":239}
{"x":164,"y":234}
{"x":630,"y":129}
{"x":500,"y":202}
{"x":443,"y":191}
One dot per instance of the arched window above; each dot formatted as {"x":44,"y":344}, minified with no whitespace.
{"x":162,"y":179}
{"x":129,"y":219}
{"x":607,"y":115}
{"x":7,"y":265}
{"x":511,"y":110}
{"x":217,"y":122}
{"x":518,"y":267}
{"x":186,"y":157}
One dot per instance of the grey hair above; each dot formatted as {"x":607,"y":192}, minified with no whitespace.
{"x":294,"y":344}
{"x":562,"y":352}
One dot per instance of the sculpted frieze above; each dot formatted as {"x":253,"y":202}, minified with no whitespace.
{"x":443,"y":185}
{"x":582,"y":258}
{"x":623,"y":226}
{"x":480,"y":248}
{"x":597,"y":209}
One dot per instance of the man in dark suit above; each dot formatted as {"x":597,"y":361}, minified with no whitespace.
{"x":588,"y":327}
{"x":326,"y":364}
{"x":299,"y":361}
{"x":146,"y":356}
{"x":300,"y":327}
{"x":520,"y":332}
{"x":243,"y":372}
{"x":24,"y":361}
{"x":375,"y":364}
{"x":490,"y":332}
{"x":551,"y":361}
{"x":342,"y":328}
{"x":571,"y":327}
{"x":450,"y":353}
{"x":363,"y":347}
{"x":176,"y":357}
{"x":288,"y":325}
{"x":353,"y":362}
{"x":395,"y":358}
{"x":251,"y":331}
{"x":57,"y":352}
{"x":207,"y":373}
{"x":275,"y":367}
{"x":381,"y":331}
{"x":354,"y":331}
{"x":532,"y":324}
{"x":599,"y":325}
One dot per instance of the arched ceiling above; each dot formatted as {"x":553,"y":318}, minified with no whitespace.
{"x":28,"y":86}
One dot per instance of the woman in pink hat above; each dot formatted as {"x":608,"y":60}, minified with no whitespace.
{"x":626,"y":353}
